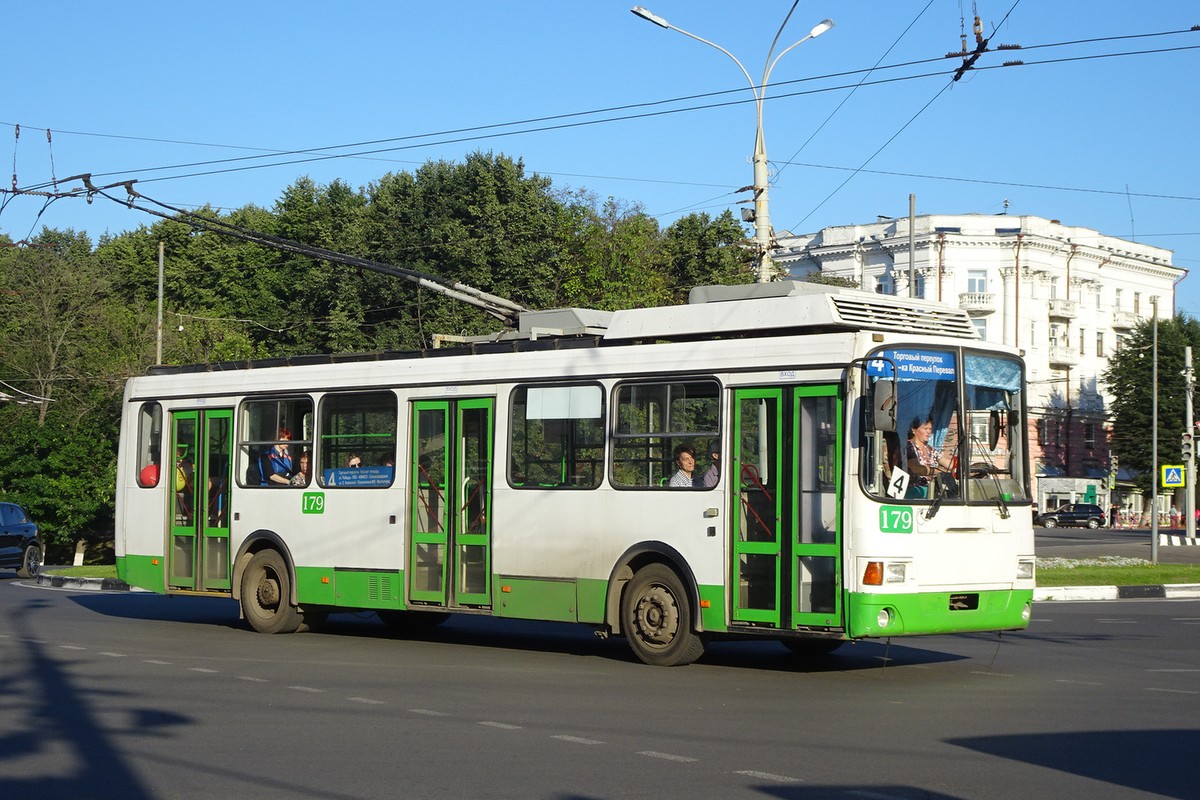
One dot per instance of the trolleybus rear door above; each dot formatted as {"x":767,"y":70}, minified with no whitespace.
{"x":786,"y":519}
{"x":199,"y":527}
{"x":450,"y":503}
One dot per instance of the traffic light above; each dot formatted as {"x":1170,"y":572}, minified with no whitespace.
{"x":1187,"y":445}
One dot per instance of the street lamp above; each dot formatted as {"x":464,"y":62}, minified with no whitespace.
{"x":762,"y":217}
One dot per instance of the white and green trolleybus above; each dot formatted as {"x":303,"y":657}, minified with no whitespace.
{"x":529,"y":475}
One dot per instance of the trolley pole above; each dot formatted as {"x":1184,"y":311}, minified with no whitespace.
{"x":1189,"y":465}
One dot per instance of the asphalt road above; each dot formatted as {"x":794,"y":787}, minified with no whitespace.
{"x":133,"y":695}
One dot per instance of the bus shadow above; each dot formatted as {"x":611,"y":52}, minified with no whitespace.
{"x":521,"y":635}
{"x":1139,"y":760}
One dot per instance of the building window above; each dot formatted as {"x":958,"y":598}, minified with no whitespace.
{"x":980,"y":327}
{"x":920,"y":286}
{"x":883,"y":284}
{"x":1082,"y":338}
{"x":1137,"y":302}
{"x":1099,"y":344}
{"x":1042,"y":438}
{"x":977,"y":281}
{"x":1033,"y":334}
{"x":1116,"y":299}
{"x":1053,"y":288}
{"x":1089,"y":435}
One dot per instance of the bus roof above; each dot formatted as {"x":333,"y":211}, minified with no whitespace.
{"x":712,"y":312}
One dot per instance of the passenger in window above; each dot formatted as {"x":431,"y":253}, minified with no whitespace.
{"x":354,"y":461}
{"x":301,"y":476}
{"x":924,"y":461}
{"x":278,"y":467}
{"x":713,"y":473}
{"x":685,"y":461}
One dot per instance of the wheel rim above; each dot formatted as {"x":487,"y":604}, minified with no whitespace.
{"x":267,"y":593}
{"x":33,"y":559}
{"x":656,"y":616}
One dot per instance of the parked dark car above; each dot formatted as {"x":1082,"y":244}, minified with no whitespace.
{"x":1073,"y":514}
{"x":20,"y":548}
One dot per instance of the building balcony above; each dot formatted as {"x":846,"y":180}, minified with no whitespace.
{"x":1062,"y":309}
{"x":977,"y":302}
{"x":1063,"y":357}
{"x":1124,"y":320}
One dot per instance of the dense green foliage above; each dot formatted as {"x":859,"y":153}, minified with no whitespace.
{"x":77,"y":318}
{"x":1129,"y":378}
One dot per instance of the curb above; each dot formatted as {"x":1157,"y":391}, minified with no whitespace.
{"x":1177,"y":591}
{"x":83,"y":584}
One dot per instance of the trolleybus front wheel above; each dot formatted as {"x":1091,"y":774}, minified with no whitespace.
{"x":656,"y":618}
{"x":266,"y":595}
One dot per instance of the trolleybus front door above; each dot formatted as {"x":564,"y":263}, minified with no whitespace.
{"x":786,"y":522}
{"x":199,"y":490}
{"x":450,"y":503}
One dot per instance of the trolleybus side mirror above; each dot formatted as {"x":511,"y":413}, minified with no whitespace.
{"x":993,"y":429}
{"x":884,"y":406}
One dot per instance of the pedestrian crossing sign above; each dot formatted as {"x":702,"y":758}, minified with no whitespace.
{"x":1172,"y":476}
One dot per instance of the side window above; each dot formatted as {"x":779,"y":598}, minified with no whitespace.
{"x":357,"y":440}
{"x":664,"y":434}
{"x":149,"y":444}
{"x":275,"y":442}
{"x":557,"y":437}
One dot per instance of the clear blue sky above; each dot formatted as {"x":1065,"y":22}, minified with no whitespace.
{"x":150,"y":91}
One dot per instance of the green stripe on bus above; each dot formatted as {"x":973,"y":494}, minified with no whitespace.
{"x":930,"y":612}
{"x":144,"y":572}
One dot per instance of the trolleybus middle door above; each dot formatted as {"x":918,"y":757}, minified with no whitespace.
{"x":450,"y":502}
{"x":786,"y":517}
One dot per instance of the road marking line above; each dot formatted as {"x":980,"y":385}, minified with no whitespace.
{"x":767,"y":776}
{"x":71,"y":647}
{"x":306,"y":689}
{"x":113,"y":655}
{"x":504,"y":726}
{"x":993,"y":674}
{"x":156,"y":661}
{"x":1118,"y":621}
{"x":1170,"y":691}
{"x":252,"y":679}
{"x":366,"y":700}
{"x":1174,"y":670}
{"x":205,"y":670}
{"x":666,"y":756}
{"x":428,"y":712}
{"x":1080,"y":683}
{"x":576,"y":739}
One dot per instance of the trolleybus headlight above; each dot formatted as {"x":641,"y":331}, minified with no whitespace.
{"x":1025,"y":569}
{"x":883,"y":618}
{"x":1027,"y":612}
{"x":894,"y":572}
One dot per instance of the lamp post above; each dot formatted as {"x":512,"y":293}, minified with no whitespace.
{"x":762,"y":216}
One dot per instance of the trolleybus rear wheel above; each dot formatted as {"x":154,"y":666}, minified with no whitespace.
{"x":657,"y":618}
{"x":266,"y":595}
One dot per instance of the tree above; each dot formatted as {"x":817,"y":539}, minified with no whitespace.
{"x":1129,"y":380}
{"x":702,"y":251}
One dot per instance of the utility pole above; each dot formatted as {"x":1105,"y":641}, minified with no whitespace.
{"x":158,"y":345}
{"x":1189,"y":463}
{"x":1154,"y":478}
